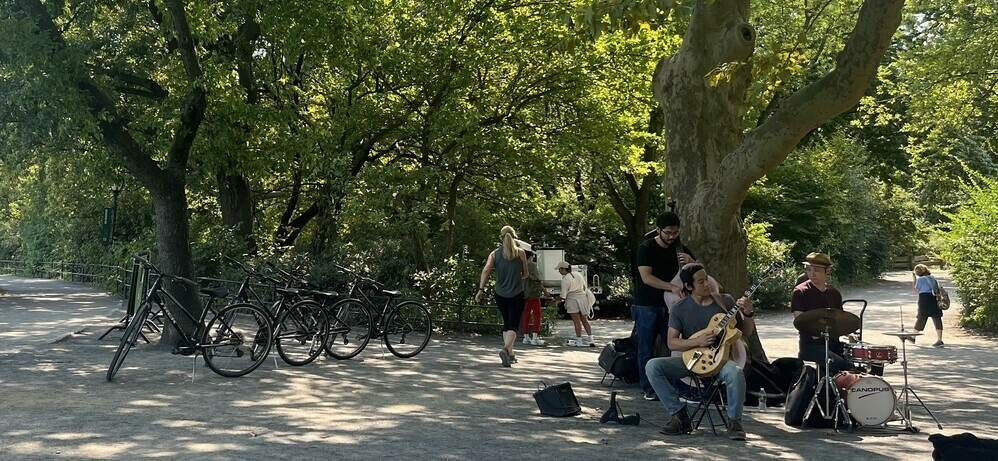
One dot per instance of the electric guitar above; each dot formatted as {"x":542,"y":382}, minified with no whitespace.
{"x":707,"y":361}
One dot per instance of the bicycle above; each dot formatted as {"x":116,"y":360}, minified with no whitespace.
{"x":405,"y":327}
{"x":350,"y":321}
{"x":300,"y":330}
{"x":234,"y":341}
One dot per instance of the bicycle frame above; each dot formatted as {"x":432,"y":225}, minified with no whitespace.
{"x":154,"y":296}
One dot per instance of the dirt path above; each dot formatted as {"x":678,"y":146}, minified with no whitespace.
{"x":453,"y":401}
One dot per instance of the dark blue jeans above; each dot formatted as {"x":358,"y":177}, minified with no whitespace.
{"x":650,"y":323}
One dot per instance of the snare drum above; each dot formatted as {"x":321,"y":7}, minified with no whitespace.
{"x":870,"y":400}
{"x":870,"y":353}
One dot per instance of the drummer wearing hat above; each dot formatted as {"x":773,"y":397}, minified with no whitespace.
{"x":817,"y":293}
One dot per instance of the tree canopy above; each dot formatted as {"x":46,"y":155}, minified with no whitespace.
{"x":401,"y":135}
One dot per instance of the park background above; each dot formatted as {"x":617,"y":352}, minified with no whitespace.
{"x":398,"y":136}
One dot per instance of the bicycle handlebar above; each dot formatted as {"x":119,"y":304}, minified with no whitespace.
{"x":235,"y":263}
{"x":152,"y":268}
{"x":359,"y":277}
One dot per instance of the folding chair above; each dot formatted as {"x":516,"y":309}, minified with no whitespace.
{"x":709,"y":390}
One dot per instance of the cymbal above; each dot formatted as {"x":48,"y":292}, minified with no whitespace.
{"x":839,"y":322}
{"x":903,"y":334}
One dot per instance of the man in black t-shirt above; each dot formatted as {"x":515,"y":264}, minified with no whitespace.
{"x":658,"y":260}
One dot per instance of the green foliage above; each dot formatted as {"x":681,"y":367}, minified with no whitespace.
{"x":764,"y":253}
{"x":823,"y":199}
{"x":970,"y":252}
{"x":418,"y":129}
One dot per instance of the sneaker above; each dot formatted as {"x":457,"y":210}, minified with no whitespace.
{"x":576,"y":343}
{"x":526,"y":340}
{"x":937,"y":344}
{"x":735,"y":431}
{"x":651,"y":397}
{"x":537,"y":342}
{"x":512,"y":359}
{"x":679,"y":424}
{"x":504,"y":356}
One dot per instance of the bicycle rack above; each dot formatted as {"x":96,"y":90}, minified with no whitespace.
{"x":136,"y":289}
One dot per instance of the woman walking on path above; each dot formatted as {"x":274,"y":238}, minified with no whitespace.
{"x":510,"y":264}
{"x":923,"y":283}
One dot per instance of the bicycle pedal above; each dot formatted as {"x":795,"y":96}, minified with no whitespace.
{"x":185,"y":351}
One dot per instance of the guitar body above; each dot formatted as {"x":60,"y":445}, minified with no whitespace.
{"x":708,"y":361}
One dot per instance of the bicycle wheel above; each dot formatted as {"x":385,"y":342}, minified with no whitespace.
{"x":300,"y":333}
{"x":407,"y":330}
{"x":128,"y":338}
{"x":350,"y":326}
{"x":237,"y":340}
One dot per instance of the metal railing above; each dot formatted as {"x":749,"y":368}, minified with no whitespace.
{"x":114,"y":279}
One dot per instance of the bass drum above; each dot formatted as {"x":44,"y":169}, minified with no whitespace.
{"x":870,"y":400}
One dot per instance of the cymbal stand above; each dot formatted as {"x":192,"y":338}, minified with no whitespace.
{"x":904,"y":408}
{"x":831,"y":393}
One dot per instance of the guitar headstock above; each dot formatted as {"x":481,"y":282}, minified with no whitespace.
{"x":773,"y":270}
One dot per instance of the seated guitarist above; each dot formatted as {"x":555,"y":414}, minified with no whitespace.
{"x":688,"y":317}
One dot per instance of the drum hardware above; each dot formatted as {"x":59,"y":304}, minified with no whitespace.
{"x":859,"y":330}
{"x":905,"y":403}
{"x":827,"y":323}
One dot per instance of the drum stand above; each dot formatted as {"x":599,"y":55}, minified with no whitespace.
{"x":831,"y":393}
{"x":904,"y":407}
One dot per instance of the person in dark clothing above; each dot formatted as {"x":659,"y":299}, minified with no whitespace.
{"x":923,"y":283}
{"x":658,"y":259}
{"x":817,"y":293}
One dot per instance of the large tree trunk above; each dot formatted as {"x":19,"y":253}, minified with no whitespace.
{"x":167,"y":182}
{"x":711,"y":163}
{"x":234,"y":195}
{"x":235,"y":200}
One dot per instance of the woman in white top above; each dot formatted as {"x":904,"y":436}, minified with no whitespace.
{"x":573,"y":292}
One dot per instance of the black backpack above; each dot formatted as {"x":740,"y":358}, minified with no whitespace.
{"x":800,"y":397}
{"x":620,"y":359}
{"x":776,"y":378}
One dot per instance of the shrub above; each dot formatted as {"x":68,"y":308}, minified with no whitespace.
{"x":774,"y":294}
{"x":969,"y":249}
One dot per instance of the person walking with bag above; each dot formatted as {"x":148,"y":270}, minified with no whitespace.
{"x":577,"y":303}
{"x":510,"y":263}
{"x":923,"y":283}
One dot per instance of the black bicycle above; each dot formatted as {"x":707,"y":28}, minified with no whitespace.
{"x":233,"y":340}
{"x":350,"y":320}
{"x":405,"y":327}
{"x":300,"y":325}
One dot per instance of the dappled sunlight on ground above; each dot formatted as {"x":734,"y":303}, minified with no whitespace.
{"x":453,"y":401}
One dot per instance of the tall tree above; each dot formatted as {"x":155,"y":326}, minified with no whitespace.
{"x":97,"y":77}
{"x":703,"y":91}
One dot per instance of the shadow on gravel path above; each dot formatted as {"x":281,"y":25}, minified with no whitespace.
{"x":453,"y":401}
